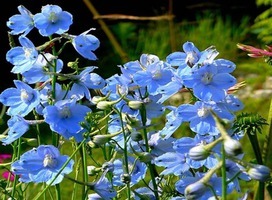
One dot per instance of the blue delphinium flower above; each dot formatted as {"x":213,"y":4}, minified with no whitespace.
{"x":103,"y":188}
{"x":173,"y":162}
{"x":21,"y":23}
{"x":192,"y":186}
{"x":236,"y":172}
{"x":138,"y":171}
{"x":17,"y":127}
{"x":85,"y":44}
{"x":84,"y":81}
{"x":209,"y":83}
{"x":42,"y":164}
{"x":46,"y":96}
{"x":21,"y":100}
{"x":184,"y":144}
{"x":38,"y":71}
{"x":200,"y":117}
{"x":153,"y":75}
{"x":52,"y":19}
{"x":22,"y":57}
{"x":65,"y":115}
{"x":174,"y":120}
{"x":144,"y":193}
{"x":191,"y":56}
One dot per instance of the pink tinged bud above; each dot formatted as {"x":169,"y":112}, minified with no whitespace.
{"x":259,"y":173}
{"x":199,"y":153}
{"x":232,"y":147}
{"x":195,"y":191}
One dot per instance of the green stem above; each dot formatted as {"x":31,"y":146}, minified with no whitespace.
{"x":58,"y":194}
{"x":223,"y":172}
{"x":84,"y":169}
{"x":151,"y":166}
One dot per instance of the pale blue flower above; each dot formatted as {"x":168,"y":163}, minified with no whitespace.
{"x":52,"y":19}
{"x":65,"y":116}
{"x":209,"y":83}
{"x":18,"y":126}
{"x":85,"y":81}
{"x":42,"y":164}
{"x":138,"y":171}
{"x":85,"y":44}
{"x":173,"y":162}
{"x":21,"y":100}
{"x":21,"y":23}
{"x":40,"y":69}
{"x":22,"y":57}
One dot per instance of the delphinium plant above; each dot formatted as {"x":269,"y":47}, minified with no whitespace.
{"x":118,"y":149}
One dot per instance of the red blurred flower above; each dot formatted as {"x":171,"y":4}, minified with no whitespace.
{"x":8,"y":175}
{"x":4,"y":157}
{"x":256,"y":52}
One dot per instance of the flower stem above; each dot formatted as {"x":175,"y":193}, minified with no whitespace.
{"x":223,"y":172}
{"x":149,"y":164}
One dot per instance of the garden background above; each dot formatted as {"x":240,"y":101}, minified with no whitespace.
{"x":129,"y":28}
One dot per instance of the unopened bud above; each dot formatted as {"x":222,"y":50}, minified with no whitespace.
{"x":259,"y":173}
{"x":125,"y":178}
{"x":198,"y":153}
{"x":145,"y":157}
{"x":232,"y":147}
{"x":92,"y":170}
{"x":103,"y":105}
{"x":32,"y":142}
{"x":108,"y":166}
{"x":101,"y":139}
{"x":97,"y":99}
{"x":135,"y":104}
{"x":195,"y":190}
{"x":136,"y":136}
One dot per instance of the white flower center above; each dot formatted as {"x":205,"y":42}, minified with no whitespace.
{"x":65,"y":112}
{"x":202,"y":112}
{"x":26,"y":97}
{"x":191,"y":58}
{"x":206,"y":78}
{"x":53,"y":17}
{"x":157,"y":74}
{"x":49,"y":161}
{"x":28,"y":52}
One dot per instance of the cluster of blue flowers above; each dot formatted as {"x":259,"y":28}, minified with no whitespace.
{"x":118,"y":114}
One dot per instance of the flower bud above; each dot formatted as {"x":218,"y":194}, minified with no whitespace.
{"x":125,"y":178}
{"x":232,"y":147}
{"x":259,"y":172}
{"x":136,"y":136}
{"x":135,"y":104}
{"x":97,"y":99}
{"x":195,"y":190}
{"x":109,"y":166}
{"x":101,"y":139}
{"x":145,"y":157}
{"x":92,"y":170}
{"x":32,"y":142}
{"x":103,"y":105}
{"x":199,"y":153}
